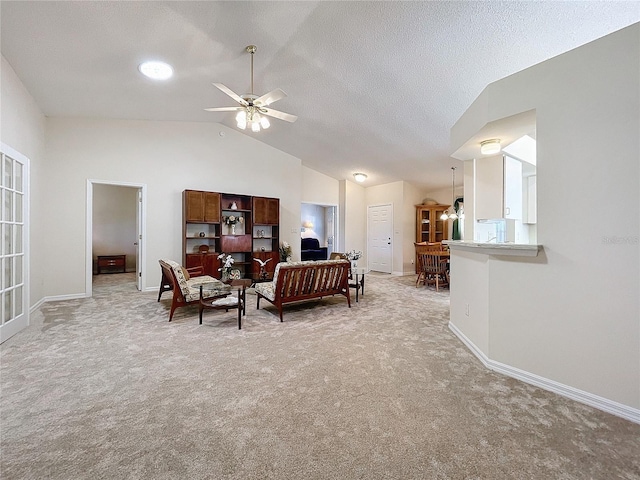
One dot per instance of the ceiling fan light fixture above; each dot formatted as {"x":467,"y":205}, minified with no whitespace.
{"x":253,"y":108}
{"x":156,"y":70}
{"x":359,"y":177}
{"x":489,"y":147}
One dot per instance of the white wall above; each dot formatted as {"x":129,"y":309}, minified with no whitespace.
{"x":166,"y":156}
{"x":319,"y":188}
{"x":114,"y":222}
{"x":572,"y":315}
{"x":442,"y":195}
{"x":352,"y":199}
{"x":22,"y":127}
{"x":412,"y":196}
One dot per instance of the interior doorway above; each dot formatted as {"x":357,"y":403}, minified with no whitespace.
{"x":115,"y":224}
{"x":320,"y":221}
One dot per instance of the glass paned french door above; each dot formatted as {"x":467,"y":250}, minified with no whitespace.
{"x":14,"y":312}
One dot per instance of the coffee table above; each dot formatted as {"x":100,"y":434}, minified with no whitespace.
{"x":218,"y":298}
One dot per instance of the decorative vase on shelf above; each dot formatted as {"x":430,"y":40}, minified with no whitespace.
{"x":234,"y":206}
{"x":225,"y":275}
{"x":354,"y":263}
{"x":233,"y":229}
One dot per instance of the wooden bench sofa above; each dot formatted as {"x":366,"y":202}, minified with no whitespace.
{"x":183,"y":282}
{"x":297,"y":281}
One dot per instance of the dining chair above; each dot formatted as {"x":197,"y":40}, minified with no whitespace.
{"x":422,"y":248}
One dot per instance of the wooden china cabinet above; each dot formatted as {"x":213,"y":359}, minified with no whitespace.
{"x":430,"y":228}
{"x":242,"y":226}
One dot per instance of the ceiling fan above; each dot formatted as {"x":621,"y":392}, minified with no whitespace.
{"x":252,"y":109}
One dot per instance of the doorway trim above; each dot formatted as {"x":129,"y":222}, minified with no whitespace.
{"x":336,"y":227}
{"x":140,"y":227}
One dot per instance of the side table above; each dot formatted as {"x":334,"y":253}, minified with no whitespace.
{"x":219,"y":299}
{"x":244,"y":283}
{"x":356,"y":279}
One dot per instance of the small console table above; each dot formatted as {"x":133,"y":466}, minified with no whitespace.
{"x":113,"y":263}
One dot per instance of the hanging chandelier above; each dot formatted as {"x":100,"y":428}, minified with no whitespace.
{"x":450,"y":213}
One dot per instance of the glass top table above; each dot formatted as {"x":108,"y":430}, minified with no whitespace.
{"x":216,"y":296}
{"x":212,"y":289}
{"x":356,"y":279}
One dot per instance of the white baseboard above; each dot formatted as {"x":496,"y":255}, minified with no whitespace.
{"x":55,"y":298}
{"x":595,"y":401}
{"x":73,"y":296}
{"x":70,"y":296}
{"x":37,"y":305}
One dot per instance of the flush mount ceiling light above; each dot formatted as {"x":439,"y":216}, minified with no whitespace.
{"x":252,"y":109}
{"x":489,"y":147}
{"x":156,"y":70}
{"x":359,"y":177}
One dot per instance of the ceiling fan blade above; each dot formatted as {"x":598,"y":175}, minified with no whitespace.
{"x":287,"y":117}
{"x":224,"y":109}
{"x":231,"y":93}
{"x":271,"y":97}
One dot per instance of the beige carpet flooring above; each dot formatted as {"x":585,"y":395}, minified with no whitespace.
{"x":107,"y":388}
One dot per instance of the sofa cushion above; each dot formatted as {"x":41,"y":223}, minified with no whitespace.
{"x":267,"y":290}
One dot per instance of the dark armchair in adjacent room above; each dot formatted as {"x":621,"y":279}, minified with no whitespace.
{"x":311,"y":250}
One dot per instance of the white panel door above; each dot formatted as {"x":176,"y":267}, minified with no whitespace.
{"x":13,"y":251}
{"x":380,"y":229}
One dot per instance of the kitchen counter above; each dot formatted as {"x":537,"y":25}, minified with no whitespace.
{"x":511,"y":249}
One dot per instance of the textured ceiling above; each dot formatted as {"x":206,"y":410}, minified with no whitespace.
{"x":376,"y":85}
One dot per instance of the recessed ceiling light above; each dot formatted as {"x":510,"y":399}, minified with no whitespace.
{"x":360,"y":177}
{"x":156,"y":70}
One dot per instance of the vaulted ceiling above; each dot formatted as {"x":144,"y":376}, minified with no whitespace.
{"x":376,"y":85}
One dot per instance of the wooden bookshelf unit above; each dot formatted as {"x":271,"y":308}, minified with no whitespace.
{"x":212,"y":226}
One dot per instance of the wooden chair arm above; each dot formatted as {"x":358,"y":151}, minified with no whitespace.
{"x":196,"y":271}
